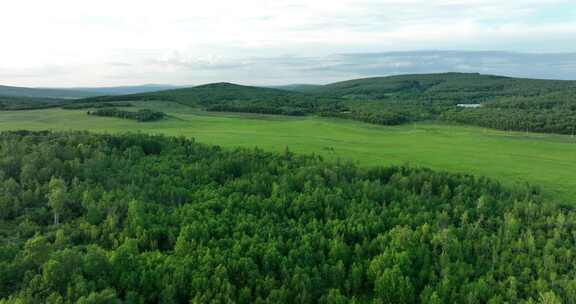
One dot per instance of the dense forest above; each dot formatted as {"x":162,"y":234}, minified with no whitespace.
{"x":387,"y":118}
{"x":256,"y":109}
{"x":549,"y":113}
{"x":148,"y":219}
{"x":142,"y":115}
{"x":13,"y":103}
{"x":508,"y":103}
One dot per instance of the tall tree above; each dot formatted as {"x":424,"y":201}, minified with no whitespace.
{"x":57,"y":197}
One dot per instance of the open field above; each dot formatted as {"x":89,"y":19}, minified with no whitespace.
{"x":545,"y":160}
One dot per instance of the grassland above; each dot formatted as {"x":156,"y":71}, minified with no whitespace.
{"x":511,"y":157}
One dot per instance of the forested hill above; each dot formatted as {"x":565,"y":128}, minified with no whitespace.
{"x":214,"y":93}
{"x":233,"y":97}
{"x":147,"y":219}
{"x":517,"y":104}
{"x":460,"y":87}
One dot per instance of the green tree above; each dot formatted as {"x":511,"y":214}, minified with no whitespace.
{"x":57,"y":197}
{"x":393,"y":287}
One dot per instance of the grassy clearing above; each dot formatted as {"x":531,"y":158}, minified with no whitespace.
{"x":545,"y":160}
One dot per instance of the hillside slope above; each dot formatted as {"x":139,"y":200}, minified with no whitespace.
{"x":234,"y":98}
{"x":471,"y":87}
{"x":519,"y":104}
{"x":223,"y":92}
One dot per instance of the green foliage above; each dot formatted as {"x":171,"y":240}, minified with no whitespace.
{"x":94,"y":105}
{"x":56,"y":197}
{"x":256,"y":109}
{"x":386,"y":118}
{"x":547,"y":113}
{"x":143,"y":115}
{"x":181,"y":222}
{"x":13,"y":103}
{"x":531,"y":105}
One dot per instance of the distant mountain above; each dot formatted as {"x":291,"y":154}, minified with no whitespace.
{"x":122,"y":90}
{"x":81,"y":92}
{"x":43,"y":93}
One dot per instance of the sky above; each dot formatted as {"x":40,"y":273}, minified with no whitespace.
{"x":64,"y":43}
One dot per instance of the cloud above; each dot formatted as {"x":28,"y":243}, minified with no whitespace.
{"x":183,"y":41}
{"x":533,"y":65}
{"x":175,"y":67}
{"x":316,"y":69}
{"x":120,"y":64}
{"x":178,"y":59}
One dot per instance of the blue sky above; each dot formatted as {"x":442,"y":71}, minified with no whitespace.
{"x":109,"y":42}
{"x":561,"y":12}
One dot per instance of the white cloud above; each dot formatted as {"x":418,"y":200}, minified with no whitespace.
{"x":155,"y":37}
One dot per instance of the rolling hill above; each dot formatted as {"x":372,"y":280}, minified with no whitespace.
{"x":214,"y":93}
{"x":233,"y":98}
{"x":452,"y":86}
{"x":210,"y":94}
{"x":518,"y":104}
{"x":442,"y":88}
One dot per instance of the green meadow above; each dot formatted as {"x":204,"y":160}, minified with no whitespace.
{"x":548,"y":161}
